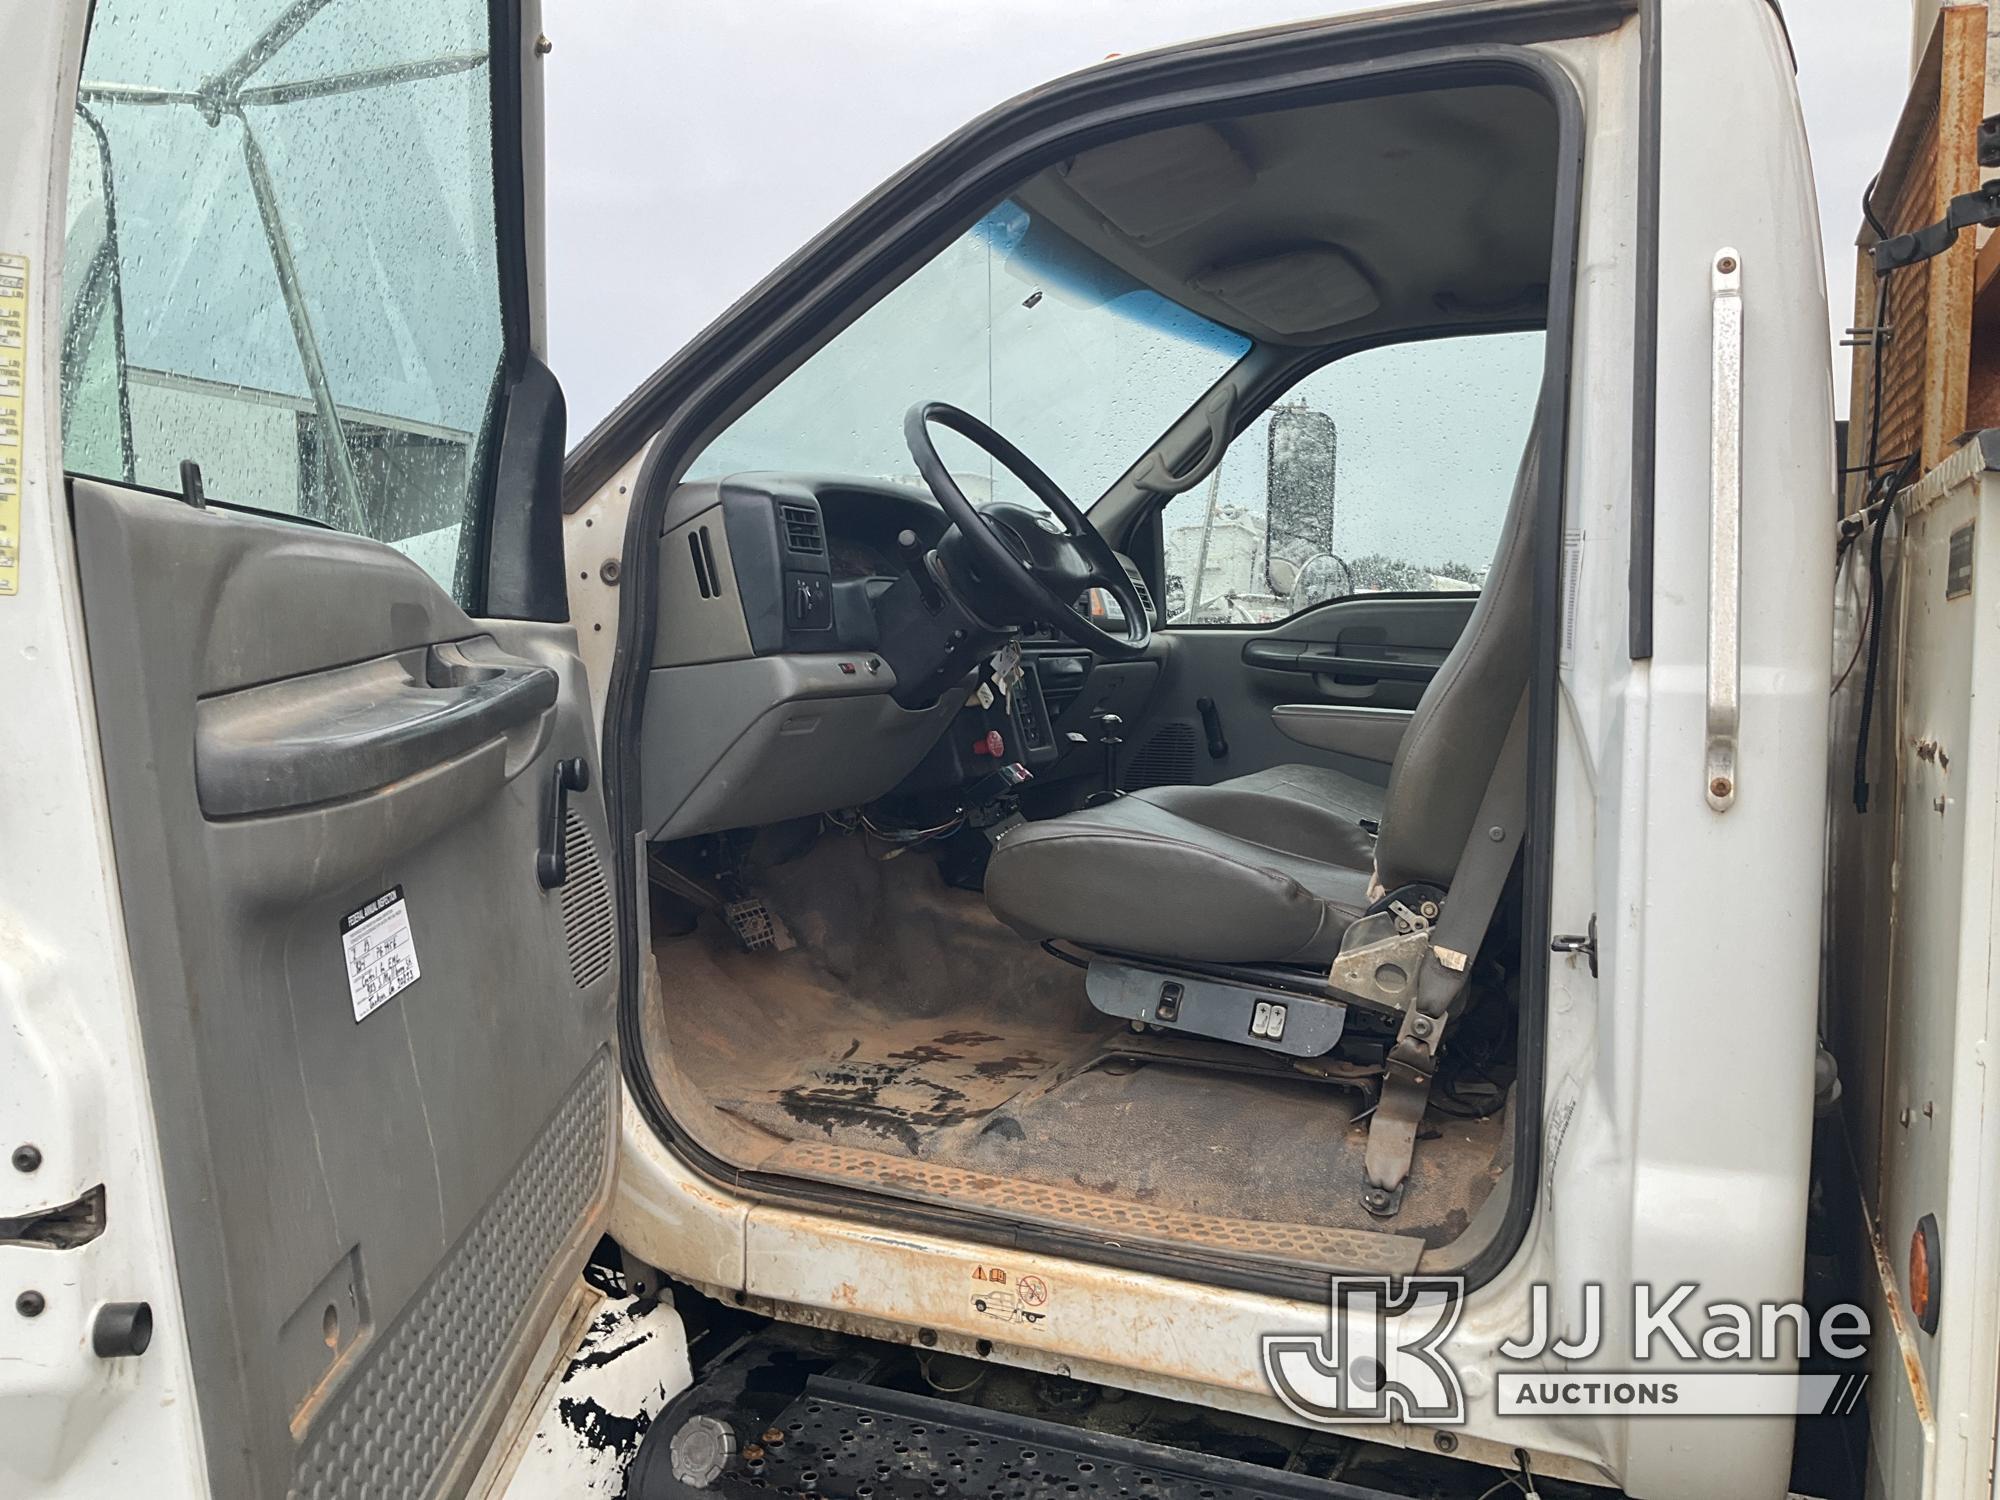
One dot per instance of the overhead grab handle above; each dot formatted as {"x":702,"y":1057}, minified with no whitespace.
{"x":1199,"y":451}
{"x":1725,"y":511}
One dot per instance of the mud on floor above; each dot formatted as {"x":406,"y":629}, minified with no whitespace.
{"x":909,"y":1023}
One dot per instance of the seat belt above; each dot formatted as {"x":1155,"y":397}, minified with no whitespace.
{"x":1483,"y":867}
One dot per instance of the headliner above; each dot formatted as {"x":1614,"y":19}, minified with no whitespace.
{"x":1332,"y":222}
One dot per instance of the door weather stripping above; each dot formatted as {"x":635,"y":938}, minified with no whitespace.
{"x":1725,"y":510}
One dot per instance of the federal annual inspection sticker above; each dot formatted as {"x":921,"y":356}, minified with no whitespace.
{"x":381,"y":953}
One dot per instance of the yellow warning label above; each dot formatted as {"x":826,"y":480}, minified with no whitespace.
{"x":13,"y":403}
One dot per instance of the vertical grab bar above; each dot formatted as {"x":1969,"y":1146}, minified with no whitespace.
{"x":1725,"y":510}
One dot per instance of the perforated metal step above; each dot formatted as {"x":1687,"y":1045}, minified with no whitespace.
{"x":847,"y":1441}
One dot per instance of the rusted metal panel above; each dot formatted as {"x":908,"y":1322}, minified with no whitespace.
{"x":1932,"y":157}
{"x":1914,"y":975}
{"x":1127,"y":1329}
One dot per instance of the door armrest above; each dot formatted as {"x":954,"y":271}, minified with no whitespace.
{"x":1365,"y":733}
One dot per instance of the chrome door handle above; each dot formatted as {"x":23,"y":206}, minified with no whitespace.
{"x":1725,"y":511}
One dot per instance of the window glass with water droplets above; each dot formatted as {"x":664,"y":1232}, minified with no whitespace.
{"x":283,"y":264}
{"x":1388,"y":471}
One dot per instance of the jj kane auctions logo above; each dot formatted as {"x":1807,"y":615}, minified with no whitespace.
{"x":1384,"y":1357}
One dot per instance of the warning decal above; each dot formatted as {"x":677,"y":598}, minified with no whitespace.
{"x":13,"y":404}
{"x":1009,"y":1298}
{"x":381,"y":953}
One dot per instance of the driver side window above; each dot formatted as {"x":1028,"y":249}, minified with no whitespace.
{"x":1388,"y":471}
{"x":282,"y":263}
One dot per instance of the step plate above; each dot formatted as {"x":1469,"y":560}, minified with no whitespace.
{"x":849,"y":1441}
{"x":1293,"y":1246}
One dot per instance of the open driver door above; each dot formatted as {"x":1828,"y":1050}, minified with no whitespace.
{"x":313,"y":460}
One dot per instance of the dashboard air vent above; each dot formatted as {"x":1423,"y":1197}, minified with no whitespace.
{"x":702,"y":551}
{"x":802,"y":529}
{"x":1138,"y":583}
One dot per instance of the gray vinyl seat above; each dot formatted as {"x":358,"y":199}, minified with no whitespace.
{"x":1274,"y":867}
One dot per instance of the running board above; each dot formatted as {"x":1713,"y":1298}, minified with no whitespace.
{"x":843,"y":1439}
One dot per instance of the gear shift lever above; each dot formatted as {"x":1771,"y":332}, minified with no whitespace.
{"x":1108,"y":725}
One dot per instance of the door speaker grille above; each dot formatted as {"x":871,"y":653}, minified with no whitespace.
{"x":589,"y":924}
{"x":1166,"y":759}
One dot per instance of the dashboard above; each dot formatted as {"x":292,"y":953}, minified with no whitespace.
{"x":773,"y":693}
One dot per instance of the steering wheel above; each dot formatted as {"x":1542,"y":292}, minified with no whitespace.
{"x":1041,"y":573}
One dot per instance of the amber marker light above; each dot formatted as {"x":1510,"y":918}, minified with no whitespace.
{"x":1924,"y":1268}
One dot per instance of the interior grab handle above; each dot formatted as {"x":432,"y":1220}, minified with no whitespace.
{"x":1725,"y":512}
{"x":347,"y":731}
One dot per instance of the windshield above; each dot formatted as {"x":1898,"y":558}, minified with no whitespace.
{"x":1067,"y":356}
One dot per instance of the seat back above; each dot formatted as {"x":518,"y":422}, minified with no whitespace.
{"x":1454,"y":739}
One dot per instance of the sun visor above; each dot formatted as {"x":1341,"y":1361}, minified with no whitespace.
{"x":1155,"y":186}
{"x":1300,"y":291}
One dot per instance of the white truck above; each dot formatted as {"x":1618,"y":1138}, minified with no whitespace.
{"x":755,"y":957}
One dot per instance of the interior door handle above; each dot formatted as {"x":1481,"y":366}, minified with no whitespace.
{"x":1725,"y":509}
{"x":336,"y":734}
{"x":1319,"y":658}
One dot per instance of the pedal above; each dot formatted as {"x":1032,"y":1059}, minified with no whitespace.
{"x":757,"y":927}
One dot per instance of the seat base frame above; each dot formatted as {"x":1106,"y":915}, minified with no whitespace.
{"x":1222,"y":1009}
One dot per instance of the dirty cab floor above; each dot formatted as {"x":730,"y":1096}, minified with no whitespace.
{"x":911,"y":1044}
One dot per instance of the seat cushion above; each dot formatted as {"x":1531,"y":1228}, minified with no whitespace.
{"x":1303,"y":810}
{"x":1270,"y":868}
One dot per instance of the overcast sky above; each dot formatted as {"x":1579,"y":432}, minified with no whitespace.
{"x":694,"y":145}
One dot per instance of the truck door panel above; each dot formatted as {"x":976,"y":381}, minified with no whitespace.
{"x":1333,"y":686}
{"x":365,"y":1208}
{"x":357,"y":825}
